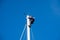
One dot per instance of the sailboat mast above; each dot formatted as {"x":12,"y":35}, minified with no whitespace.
{"x":28,"y":28}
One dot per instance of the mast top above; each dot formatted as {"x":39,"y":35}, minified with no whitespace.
{"x":30,"y":19}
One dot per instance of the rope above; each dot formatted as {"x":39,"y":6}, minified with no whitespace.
{"x":23,"y":32}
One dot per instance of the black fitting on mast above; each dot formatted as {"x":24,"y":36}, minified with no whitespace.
{"x":31,"y":20}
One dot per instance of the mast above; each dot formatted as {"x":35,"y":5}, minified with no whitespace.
{"x":28,"y":28}
{"x":30,"y":21}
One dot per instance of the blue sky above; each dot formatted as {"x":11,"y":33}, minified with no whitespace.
{"x":46,"y":13}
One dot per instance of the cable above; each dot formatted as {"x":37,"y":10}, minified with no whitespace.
{"x":23,"y":32}
{"x":33,"y":38}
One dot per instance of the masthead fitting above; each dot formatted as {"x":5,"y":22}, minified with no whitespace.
{"x":30,"y":19}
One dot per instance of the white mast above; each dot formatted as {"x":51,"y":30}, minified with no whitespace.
{"x":30,"y":21}
{"x":28,"y":28}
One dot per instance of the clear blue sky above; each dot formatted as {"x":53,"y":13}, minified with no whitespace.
{"x":46,"y":13}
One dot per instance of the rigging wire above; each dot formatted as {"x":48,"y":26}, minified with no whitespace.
{"x":33,"y":38}
{"x":23,"y":32}
{"x":32,"y":34}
